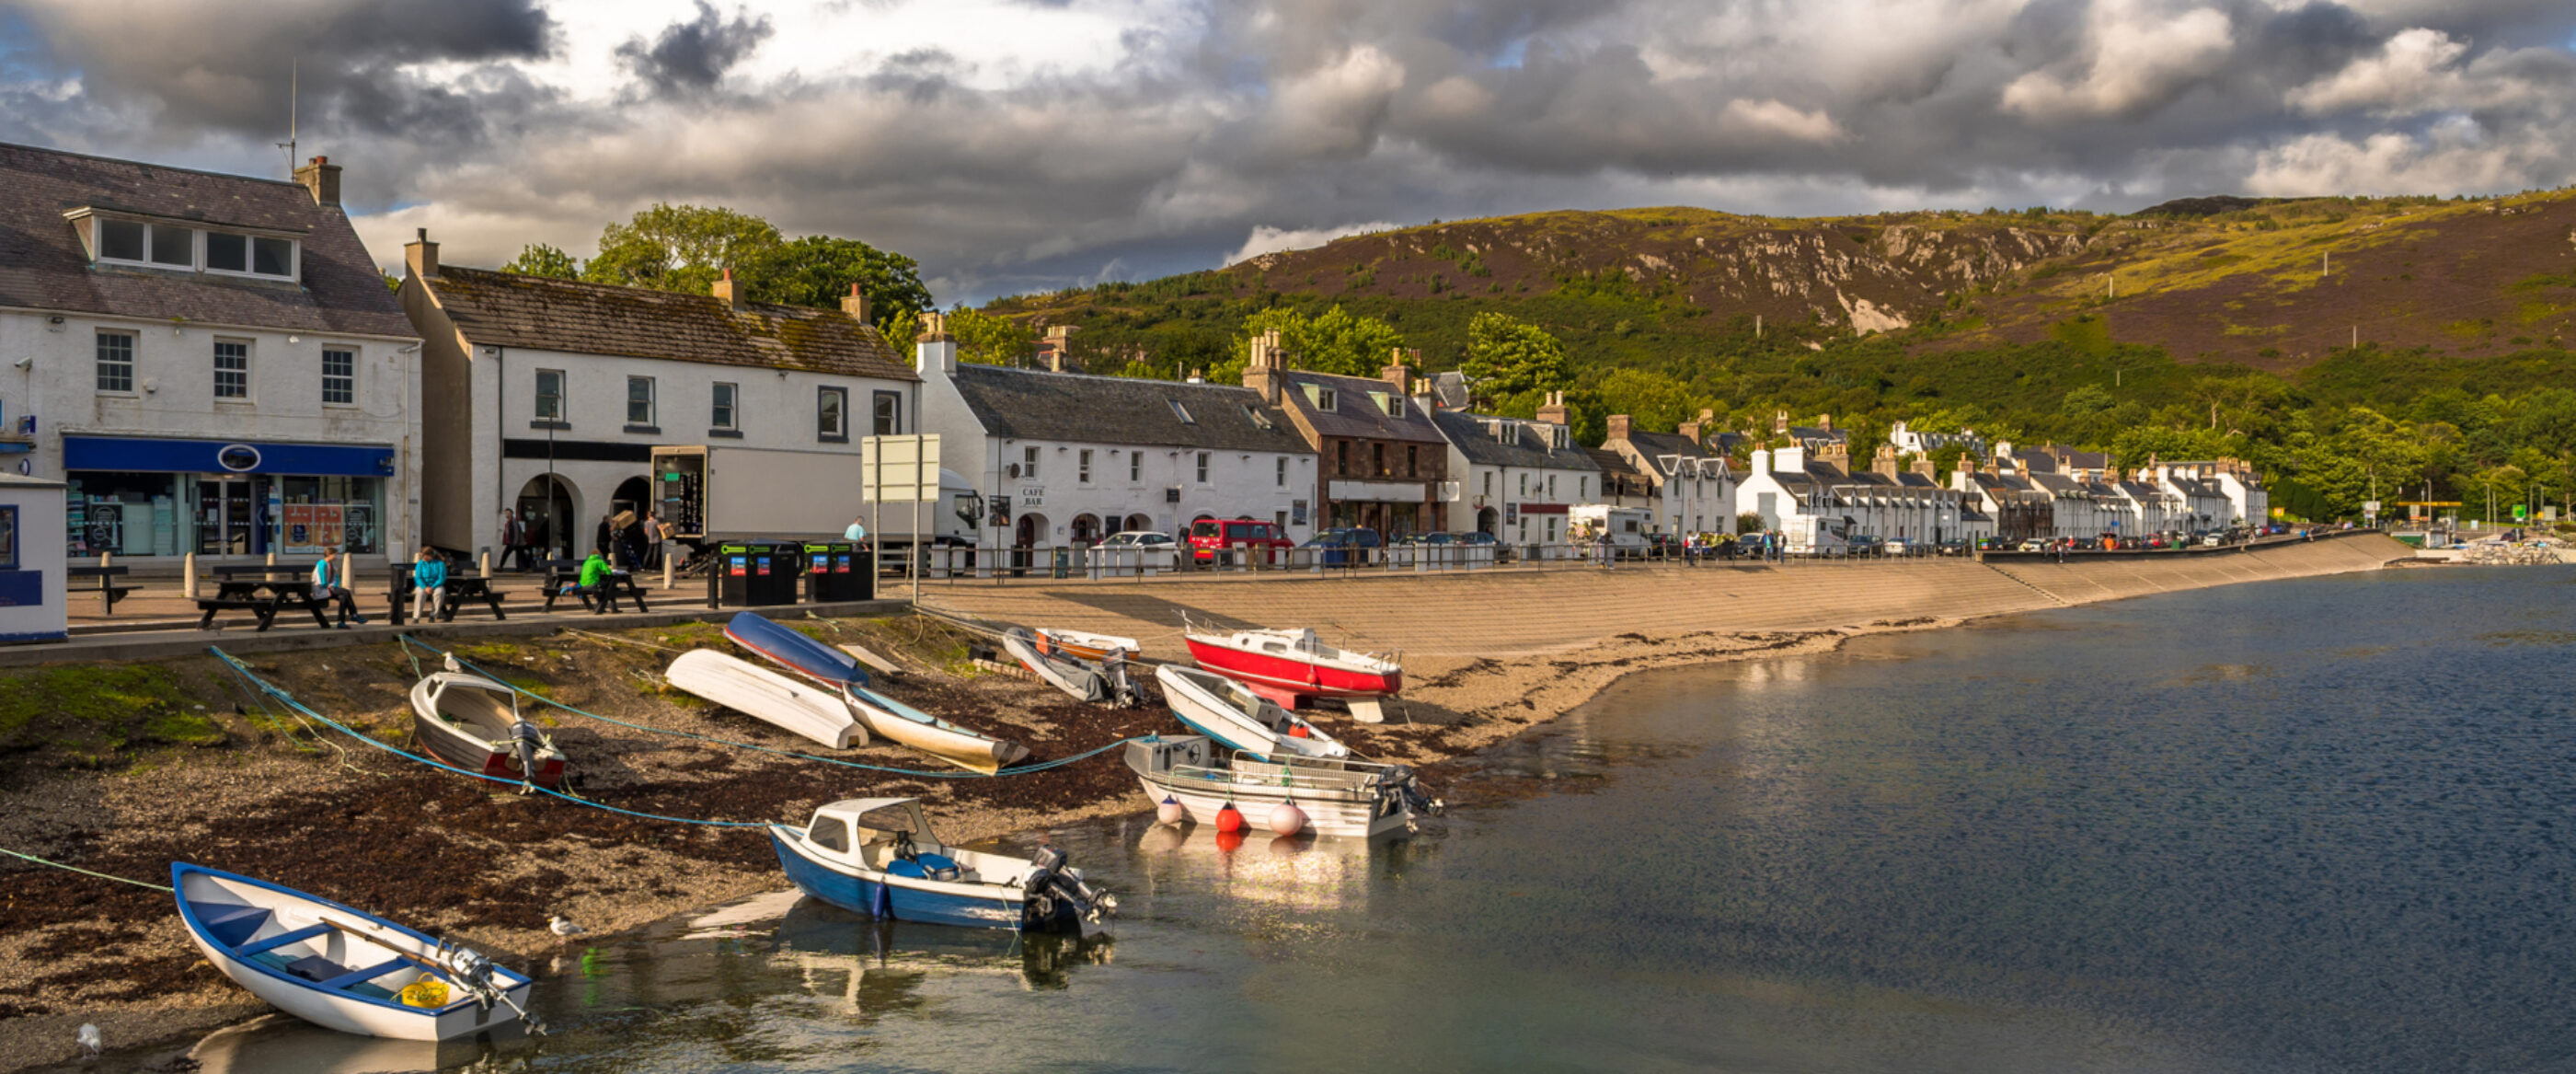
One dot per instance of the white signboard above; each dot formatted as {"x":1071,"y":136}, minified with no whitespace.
{"x":900,"y":469}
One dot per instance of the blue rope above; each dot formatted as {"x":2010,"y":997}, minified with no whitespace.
{"x":289,"y":700}
{"x":915,"y":772}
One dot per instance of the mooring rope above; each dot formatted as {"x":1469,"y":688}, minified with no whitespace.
{"x":86,"y":872}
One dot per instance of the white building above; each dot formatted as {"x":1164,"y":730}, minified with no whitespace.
{"x":1520,"y":476}
{"x":1816,"y":504}
{"x":1080,"y":457}
{"x":1693,"y":490}
{"x":2217,"y":492}
{"x":210,"y":363}
{"x":546,"y":396}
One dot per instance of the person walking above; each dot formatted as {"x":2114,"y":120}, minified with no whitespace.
{"x":625,"y":542}
{"x":652,"y":530}
{"x":428,"y":584}
{"x":328,"y":585}
{"x":507,"y":535}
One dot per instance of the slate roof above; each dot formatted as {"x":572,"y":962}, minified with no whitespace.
{"x":1613,"y":464}
{"x":1034,"y":404}
{"x":1352,"y":415}
{"x":511,"y":310}
{"x":43,"y":264}
{"x":1654,"y":446}
{"x":1473,"y":436}
{"x":1810,"y":436}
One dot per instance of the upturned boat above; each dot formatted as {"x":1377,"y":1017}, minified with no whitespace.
{"x":1240,"y":719}
{"x":1339,"y":797}
{"x":473,"y":723}
{"x":1082,"y":644}
{"x":877,"y":856}
{"x":895,"y":721}
{"x":1101,"y":681}
{"x":802,"y":708}
{"x":1289,"y":666}
{"x":791,"y":649}
{"x":341,"y":968}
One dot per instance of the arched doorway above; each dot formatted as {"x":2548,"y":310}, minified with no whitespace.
{"x":632,"y":495}
{"x":550,"y":521}
{"x":1086,"y":531}
{"x":1032,"y":529}
{"x":1490,"y":521}
{"x":1136,"y":523}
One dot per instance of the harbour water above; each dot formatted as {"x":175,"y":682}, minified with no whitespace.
{"x":2317,"y":825}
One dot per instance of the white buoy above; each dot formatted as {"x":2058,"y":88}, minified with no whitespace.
{"x":1170,"y":811}
{"x":1287,"y":819}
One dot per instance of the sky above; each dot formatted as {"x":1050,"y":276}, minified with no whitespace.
{"x":1027,"y":145}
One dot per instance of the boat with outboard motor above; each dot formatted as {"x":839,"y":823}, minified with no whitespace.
{"x":341,"y":968}
{"x":1339,"y":797}
{"x":877,"y":856}
{"x":816,"y":712}
{"x":1239,"y":718}
{"x":1289,"y":666}
{"x":1101,"y":681}
{"x":471,"y":722}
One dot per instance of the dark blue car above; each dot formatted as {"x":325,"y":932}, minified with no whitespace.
{"x":1344,"y":547}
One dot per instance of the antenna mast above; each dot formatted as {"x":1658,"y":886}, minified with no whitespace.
{"x":289,"y":144}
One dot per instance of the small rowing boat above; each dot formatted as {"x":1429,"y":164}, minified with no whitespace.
{"x":471,"y":722}
{"x":1288,"y":666}
{"x":1102,"y":682}
{"x":1341,"y":797}
{"x":877,"y":856}
{"x":1239,"y":719}
{"x":1083,"y":645}
{"x":341,"y":968}
{"x":791,"y":649}
{"x":797,"y":707}
{"x":895,"y":721}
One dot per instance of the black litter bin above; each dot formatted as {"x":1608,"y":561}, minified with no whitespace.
{"x":753,"y":574}
{"x":838,"y":571}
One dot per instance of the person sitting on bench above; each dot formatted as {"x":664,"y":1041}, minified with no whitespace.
{"x":328,"y":585}
{"x":428,"y":584}
{"x":594,"y":583}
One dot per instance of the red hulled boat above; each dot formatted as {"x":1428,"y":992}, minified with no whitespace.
{"x":1290,"y":666}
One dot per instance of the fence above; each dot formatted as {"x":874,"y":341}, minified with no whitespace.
{"x":1074,"y":562}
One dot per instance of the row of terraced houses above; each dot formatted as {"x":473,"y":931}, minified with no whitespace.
{"x":212,"y":364}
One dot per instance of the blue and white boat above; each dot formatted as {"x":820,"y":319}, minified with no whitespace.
{"x":341,"y":968}
{"x":877,"y":856}
{"x":791,"y":649}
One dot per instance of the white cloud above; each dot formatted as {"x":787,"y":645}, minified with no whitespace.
{"x":2139,"y":55}
{"x":1783,"y":120}
{"x":1270,"y":240}
{"x":2411,"y":74}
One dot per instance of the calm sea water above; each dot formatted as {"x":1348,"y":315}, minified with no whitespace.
{"x":2318,"y":825}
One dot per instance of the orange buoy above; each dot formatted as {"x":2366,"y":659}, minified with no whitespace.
{"x":1300,"y":730}
{"x":1229,"y":842}
{"x":1287,"y":819}
{"x":1229,"y":819}
{"x":1170,"y":811}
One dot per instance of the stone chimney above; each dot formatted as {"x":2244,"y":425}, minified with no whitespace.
{"x":1617,"y":427}
{"x":1883,"y":462}
{"x":1553,"y":412}
{"x":1692,"y":429}
{"x":1835,"y":455}
{"x":1779,"y":422}
{"x":1395,"y":373}
{"x":856,"y":304}
{"x":933,"y":351}
{"x":1825,"y":422}
{"x":1264,"y":372}
{"x":724,"y":290}
{"x":1924,"y":467}
{"x":322,"y":178}
{"x":1059,"y":341}
{"x":420,"y":256}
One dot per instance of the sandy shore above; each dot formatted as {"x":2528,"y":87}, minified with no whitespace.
{"x":1486,"y":658}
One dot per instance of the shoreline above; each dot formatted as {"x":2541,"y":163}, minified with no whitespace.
{"x":423,"y":847}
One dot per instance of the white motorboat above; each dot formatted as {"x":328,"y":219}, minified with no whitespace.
{"x":1241,"y":719}
{"x":1102,"y":682}
{"x":806,"y":709}
{"x":1343,"y":798}
{"x":473,"y":723}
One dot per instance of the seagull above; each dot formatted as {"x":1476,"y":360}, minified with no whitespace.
{"x":88,"y":1038}
{"x":563,"y":928}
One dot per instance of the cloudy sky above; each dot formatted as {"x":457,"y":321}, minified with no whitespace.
{"x":1016,"y":145}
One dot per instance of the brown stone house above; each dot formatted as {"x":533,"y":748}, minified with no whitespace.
{"x":1381,"y":462}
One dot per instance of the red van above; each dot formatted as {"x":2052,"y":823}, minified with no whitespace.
{"x":1209,"y":536}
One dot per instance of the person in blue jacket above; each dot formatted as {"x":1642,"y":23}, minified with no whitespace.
{"x":329,"y":586}
{"x":428,"y":584}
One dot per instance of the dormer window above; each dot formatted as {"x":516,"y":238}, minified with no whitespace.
{"x":1320,"y":397}
{"x":117,"y":241}
{"x":1181,"y":412}
{"x":1259,"y":420}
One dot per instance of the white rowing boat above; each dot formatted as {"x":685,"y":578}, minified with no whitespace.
{"x":800,"y":708}
{"x":1083,"y":644}
{"x":895,"y":721}
{"x":1240,"y":719}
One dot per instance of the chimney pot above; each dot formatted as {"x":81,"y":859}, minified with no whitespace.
{"x":420,"y":256}
{"x":321,"y":177}
{"x":1616,"y":426}
{"x":856,"y":304}
{"x":724,"y":289}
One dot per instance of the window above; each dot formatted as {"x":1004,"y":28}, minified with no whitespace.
{"x":1082,"y":473}
{"x":272,"y":257}
{"x":1135,"y":467}
{"x":1341,"y":456}
{"x":1391,"y":403}
{"x":832,"y":414}
{"x":1583,"y":489}
{"x":1203,"y":461}
{"x":1028,"y":462}
{"x":1319,"y":396}
{"x":232,"y":369}
{"x":176,"y":246}
{"x":550,"y":394}
{"x":227,"y":252}
{"x":1377,"y":453}
{"x":1181,"y":412}
{"x":116,"y":361}
{"x":889,"y":413}
{"x":639,"y":401}
{"x":1258,"y":419}
{"x":721,"y":416}
{"x":1412,"y":461}
{"x":1281,"y":464}
{"x":1489,"y":483}
{"x":1524,"y":492}
{"x":120,"y":240}
{"x":1551,"y":488}
{"x":339,"y":377}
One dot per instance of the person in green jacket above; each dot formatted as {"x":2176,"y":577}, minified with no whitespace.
{"x":594,"y":579}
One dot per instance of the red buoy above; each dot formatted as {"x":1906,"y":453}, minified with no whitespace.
{"x":1229,"y":842}
{"x":1229,"y":819}
{"x":1299,"y":730}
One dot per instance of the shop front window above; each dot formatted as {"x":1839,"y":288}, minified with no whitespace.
{"x":128,"y":514}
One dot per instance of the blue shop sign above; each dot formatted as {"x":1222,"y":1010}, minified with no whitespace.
{"x":153,"y":455}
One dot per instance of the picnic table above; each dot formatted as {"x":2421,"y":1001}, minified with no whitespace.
{"x":564,"y":575}
{"x":460,"y":588}
{"x":109,"y":592}
{"x":263,"y":598}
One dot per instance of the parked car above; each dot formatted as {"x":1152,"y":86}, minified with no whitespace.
{"x":1901,"y":547}
{"x":1210,"y":536}
{"x":1347,"y":547}
{"x":1425,"y":539}
{"x":2034,"y":545}
{"x":1140,"y":548}
{"x":2213,"y":540}
{"x":1474,"y":537}
{"x":1955,"y":546}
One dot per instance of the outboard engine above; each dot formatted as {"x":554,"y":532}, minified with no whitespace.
{"x":526,"y":741}
{"x":1053,"y":886}
{"x":1399,"y":789}
{"x":1122,"y":688}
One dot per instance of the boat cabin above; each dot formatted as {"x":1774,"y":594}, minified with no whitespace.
{"x":890,"y":835}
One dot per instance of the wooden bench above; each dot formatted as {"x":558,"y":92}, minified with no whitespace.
{"x":563,"y":576}
{"x":109,"y":593}
{"x":263,"y":599}
{"x":460,"y":588}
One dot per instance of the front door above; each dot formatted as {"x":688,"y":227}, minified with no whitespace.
{"x":227,"y":517}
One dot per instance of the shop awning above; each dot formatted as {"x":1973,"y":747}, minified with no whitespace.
{"x":158,"y":455}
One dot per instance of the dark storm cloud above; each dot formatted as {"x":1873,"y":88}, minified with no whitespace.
{"x":690,"y":57}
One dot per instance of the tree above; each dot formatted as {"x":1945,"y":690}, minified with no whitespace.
{"x":1508,"y":356}
{"x":1336,"y":342}
{"x":985,"y":339}
{"x":680,"y":247}
{"x":817,"y":271}
{"x":539,"y":259}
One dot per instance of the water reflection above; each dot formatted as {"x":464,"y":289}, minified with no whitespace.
{"x":279,"y":1042}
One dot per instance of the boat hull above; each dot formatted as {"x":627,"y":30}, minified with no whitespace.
{"x":897,"y":898}
{"x":1285,"y":673}
{"x":794,"y":651}
{"x":1336,"y":802}
{"x":893,"y":721}
{"x":796,"y":707}
{"x":463,"y":746}
{"x":1201,"y":701}
{"x":1081,"y":645}
{"x":1070,"y":676}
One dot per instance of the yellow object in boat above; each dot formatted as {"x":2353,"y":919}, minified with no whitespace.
{"x":427,"y":992}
